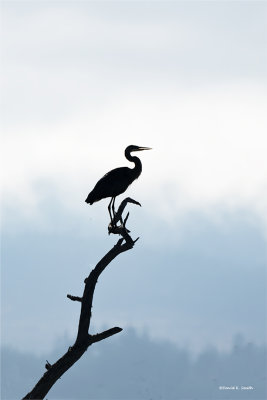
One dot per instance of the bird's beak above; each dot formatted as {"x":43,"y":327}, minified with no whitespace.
{"x":144,"y":148}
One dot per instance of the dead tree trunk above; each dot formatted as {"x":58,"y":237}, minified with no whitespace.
{"x":84,"y":339}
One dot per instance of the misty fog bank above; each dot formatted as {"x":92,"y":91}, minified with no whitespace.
{"x":134,"y":367}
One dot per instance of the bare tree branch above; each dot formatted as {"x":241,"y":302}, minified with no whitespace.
{"x":104,"y":335}
{"x":74,"y":298}
{"x":84,"y":339}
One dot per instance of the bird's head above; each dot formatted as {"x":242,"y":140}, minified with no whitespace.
{"x":132,"y":148}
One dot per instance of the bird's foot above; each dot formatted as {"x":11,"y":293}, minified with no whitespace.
{"x":111,"y":227}
{"x":117,"y":229}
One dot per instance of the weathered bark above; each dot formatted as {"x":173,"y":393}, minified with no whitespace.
{"x":84,"y":339}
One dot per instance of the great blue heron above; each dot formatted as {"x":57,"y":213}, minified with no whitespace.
{"x":117,"y":180}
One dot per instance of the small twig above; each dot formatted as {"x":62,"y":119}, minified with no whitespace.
{"x":103,"y":335}
{"x":127,"y":216}
{"x":48,"y":365}
{"x":74,"y":298}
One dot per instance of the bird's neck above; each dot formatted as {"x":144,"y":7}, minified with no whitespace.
{"x":137,"y":165}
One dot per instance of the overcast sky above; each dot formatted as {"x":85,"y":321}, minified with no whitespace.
{"x":81,"y":82}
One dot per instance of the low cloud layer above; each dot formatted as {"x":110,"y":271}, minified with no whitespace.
{"x":133,"y":366}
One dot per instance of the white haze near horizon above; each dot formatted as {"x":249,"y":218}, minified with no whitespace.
{"x":82,"y":81}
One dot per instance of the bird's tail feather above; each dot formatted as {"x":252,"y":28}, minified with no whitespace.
{"x":89,"y":199}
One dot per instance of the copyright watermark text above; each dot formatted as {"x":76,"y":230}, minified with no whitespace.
{"x":235,"y":387}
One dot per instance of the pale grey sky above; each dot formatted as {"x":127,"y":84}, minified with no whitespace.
{"x":81,"y":82}
{"x":187,"y":79}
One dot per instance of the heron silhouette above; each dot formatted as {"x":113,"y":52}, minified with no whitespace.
{"x":116,"y":181}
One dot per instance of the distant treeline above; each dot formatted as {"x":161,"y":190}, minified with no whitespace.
{"x":135,"y":367}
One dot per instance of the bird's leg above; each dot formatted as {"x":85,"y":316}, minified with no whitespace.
{"x":113,"y":210}
{"x":109,"y":210}
{"x":113,"y":207}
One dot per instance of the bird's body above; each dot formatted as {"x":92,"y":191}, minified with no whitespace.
{"x":116,"y":181}
{"x":112,"y":184}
